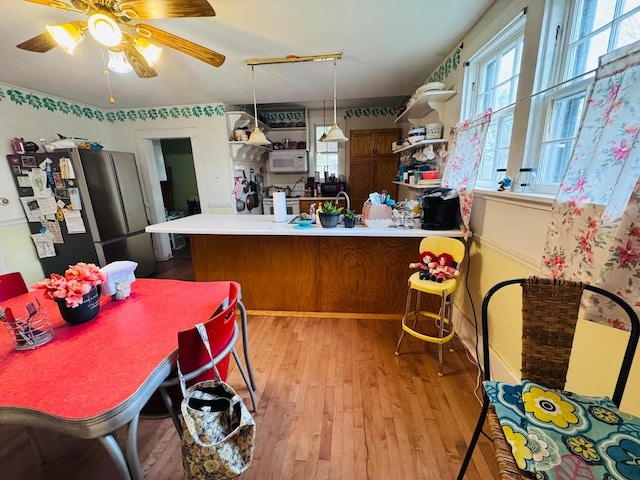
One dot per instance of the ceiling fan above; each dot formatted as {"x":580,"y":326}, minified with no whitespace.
{"x":110,"y":23}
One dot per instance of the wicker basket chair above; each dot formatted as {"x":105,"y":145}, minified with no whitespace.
{"x":549,"y":316}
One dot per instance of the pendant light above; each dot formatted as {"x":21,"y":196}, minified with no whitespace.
{"x":335,"y":134}
{"x":256,"y":137}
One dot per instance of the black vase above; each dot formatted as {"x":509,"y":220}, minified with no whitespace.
{"x":329,"y":220}
{"x":349,"y":222}
{"x":87,"y":310}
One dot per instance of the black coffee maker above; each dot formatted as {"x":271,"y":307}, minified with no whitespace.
{"x":440,"y":209}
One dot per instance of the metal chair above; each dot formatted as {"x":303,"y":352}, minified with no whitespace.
{"x":443,"y":290}
{"x":549,"y":316}
{"x":195,"y":364}
{"x":11,"y":285}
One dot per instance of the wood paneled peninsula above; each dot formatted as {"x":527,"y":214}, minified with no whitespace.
{"x":283,"y":268}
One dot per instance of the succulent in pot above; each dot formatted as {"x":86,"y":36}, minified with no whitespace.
{"x":329,"y":214}
{"x":349,"y":218}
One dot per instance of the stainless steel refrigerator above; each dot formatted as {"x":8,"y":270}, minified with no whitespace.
{"x":111,"y":204}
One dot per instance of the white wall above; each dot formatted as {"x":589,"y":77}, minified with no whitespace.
{"x":25,"y":114}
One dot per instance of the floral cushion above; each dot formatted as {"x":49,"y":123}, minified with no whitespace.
{"x":560,"y":435}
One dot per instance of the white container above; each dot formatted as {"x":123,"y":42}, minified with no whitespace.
{"x":433,"y":131}
{"x":416,"y":134}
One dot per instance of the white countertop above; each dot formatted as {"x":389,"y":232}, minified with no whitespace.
{"x":208,"y":224}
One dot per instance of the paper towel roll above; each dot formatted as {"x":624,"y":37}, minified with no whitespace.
{"x":279,"y":207}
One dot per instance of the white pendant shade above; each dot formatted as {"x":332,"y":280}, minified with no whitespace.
{"x":335,"y":134}
{"x":257,"y":137}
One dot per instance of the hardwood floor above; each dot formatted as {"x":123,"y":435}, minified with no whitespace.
{"x":334,"y":402}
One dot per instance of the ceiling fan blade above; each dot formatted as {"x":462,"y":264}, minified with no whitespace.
{"x":182,"y":45}
{"x":146,"y":9}
{"x":40,"y":43}
{"x":56,"y":4}
{"x":137,"y":61}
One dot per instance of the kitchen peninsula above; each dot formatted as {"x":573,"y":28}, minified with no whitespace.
{"x":283,"y":268}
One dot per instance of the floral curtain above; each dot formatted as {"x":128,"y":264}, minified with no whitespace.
{"x":461,"y":169}
{"x":594,"y":233}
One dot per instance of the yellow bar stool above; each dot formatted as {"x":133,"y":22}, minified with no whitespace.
{"x":421,"y":282}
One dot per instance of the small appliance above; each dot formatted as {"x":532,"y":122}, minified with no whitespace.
{"x":440,"y":209}
{"x":332,"y":189}
{"x":286,"y":161}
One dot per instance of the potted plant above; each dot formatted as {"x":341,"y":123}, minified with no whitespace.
{"x":349,"y":218}
{"x":329,"y":215}
{"x":77,"y":293}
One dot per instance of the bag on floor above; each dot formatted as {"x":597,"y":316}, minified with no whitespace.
{"x":218,"y":431}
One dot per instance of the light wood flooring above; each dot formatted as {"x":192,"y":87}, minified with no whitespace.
{"x":334,"y":402}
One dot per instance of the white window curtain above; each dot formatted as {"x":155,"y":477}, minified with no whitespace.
{"x":461,"y":170}
{"x":594,"y":233}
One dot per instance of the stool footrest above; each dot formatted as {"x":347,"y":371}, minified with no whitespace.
{"x":428,"y":338}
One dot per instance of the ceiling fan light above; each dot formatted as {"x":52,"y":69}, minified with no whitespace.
{"x":105,"y":30}
{"x":67,"y":35}
{"x":148,"y":50}
{"x":118,"y":62}
{"x":335,"y":135}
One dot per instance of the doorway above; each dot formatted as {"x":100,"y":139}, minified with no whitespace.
{"x":178,"y":180}
{"x":151,"y":158}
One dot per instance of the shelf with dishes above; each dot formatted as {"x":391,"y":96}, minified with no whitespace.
{"x":419,"y":144}
{"x":424,"y":103}
{"x":421,"y":185}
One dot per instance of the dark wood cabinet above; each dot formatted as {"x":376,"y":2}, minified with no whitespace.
{"x":372,"y":164}
{"x":373,"y":143}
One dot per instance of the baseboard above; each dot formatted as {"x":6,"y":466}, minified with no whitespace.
{"x":466,"y":333}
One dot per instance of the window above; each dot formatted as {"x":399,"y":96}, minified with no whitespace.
{"x":491,"y":81}
{"x":326,"y":152}
{"x":596,"y":27}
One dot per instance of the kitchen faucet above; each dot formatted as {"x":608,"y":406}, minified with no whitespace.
{"x":346,"y":197}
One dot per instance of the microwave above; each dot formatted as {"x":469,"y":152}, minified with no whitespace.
{"x":285,"y":161}
{"x":332,"y":189}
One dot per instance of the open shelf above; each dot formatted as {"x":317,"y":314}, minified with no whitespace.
{"x":419,"y":144}
{"x":246,"y":151}
{"x":421,"y":186}
{"x":239,"y":119}
{"x":426,"y":103}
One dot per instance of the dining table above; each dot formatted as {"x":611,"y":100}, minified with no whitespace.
{"x":92,"y":378}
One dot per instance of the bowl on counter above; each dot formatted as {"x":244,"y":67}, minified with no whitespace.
{"x":303,"y":223}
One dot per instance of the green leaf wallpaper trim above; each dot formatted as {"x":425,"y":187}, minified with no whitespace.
{"x":37,"y":101}
{"x":449,"y":65}
{"x":371,"y":112}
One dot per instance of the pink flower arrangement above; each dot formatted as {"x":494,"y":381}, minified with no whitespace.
{"x":77,"y":281}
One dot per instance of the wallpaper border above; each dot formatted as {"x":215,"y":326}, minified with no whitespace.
{"x":26,"y":98}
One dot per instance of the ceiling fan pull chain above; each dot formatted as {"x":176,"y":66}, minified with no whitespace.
{"x":106,"y":74}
